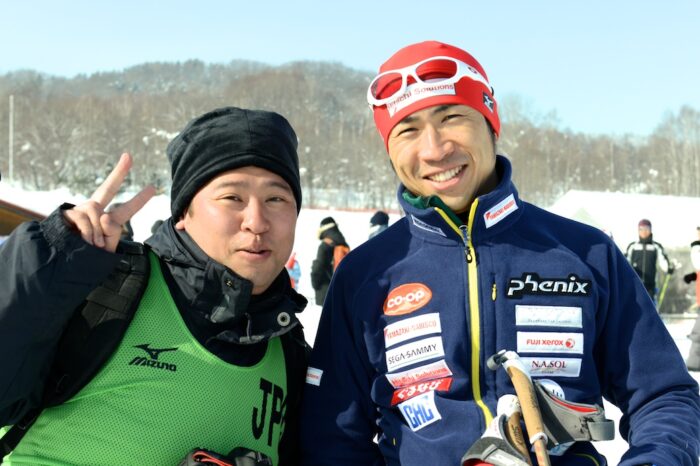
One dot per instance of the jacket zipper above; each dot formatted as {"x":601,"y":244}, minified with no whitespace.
{"x":465,"y":232}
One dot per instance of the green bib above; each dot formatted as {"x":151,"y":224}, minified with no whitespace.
{"x":160,"y":395}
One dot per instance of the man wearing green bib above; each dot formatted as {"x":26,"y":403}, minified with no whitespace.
{"x":214,"y":356}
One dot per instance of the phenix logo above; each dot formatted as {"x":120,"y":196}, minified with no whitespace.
{"x":531,"y":283}
{"x":152,"y":359}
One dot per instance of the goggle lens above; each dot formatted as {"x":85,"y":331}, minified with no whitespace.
{"x":390,"y":84}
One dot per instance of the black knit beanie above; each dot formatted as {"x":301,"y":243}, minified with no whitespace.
{"x":379,"y":218}
{"x":228,"y":138}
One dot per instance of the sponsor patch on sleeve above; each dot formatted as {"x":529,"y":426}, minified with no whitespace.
{"x":420,"y":411}
{"x":553,"y":367}
{"x":550,"y":342}
{"x":548,"y":316}
{"x":413,"y":327}
{"x":417,"y":351}
{"x":406,"y":393}
{"x":313,"y":376}
{"x":434,"y":370}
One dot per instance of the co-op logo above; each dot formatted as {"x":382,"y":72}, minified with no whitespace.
{"x":407,"y":298}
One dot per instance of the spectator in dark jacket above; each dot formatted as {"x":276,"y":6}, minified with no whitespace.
{"x":218,"y":313}
{"x":645,"y":255}
{"x":378,"y":223}
{"x":331,"y":249}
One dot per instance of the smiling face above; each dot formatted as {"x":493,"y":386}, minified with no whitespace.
{"x":244,"y":219}
{"x":446,"y":151}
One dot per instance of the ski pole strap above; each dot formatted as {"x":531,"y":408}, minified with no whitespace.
{"x":566,"y":421}
{"x":494,"y":448}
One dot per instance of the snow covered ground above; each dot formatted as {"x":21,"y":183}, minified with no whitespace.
{"x":355,"y":227}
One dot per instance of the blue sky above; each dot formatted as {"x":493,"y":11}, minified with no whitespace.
{"x":611,"y":67}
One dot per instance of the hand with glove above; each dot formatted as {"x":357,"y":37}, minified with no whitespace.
{"x":690,"y":277}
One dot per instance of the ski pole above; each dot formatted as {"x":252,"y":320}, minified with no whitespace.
{"x":525,"y":390}
{"x":510,"y":406}
{"x":663,"y":291}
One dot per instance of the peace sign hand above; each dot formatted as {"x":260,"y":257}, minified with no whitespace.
{"x":103,"y":229}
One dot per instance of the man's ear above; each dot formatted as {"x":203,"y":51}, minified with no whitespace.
{"x":180,"y":225}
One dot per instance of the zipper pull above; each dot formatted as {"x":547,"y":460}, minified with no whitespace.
{"x":465,"y":239}
{"x":493,"y":292}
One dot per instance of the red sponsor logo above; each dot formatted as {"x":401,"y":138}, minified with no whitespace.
{"x":407,"y":298}
{"x":431,"y":371}
{"x":569,"y":343}
{"x":406,"y":393}
{"x":501,"y":211}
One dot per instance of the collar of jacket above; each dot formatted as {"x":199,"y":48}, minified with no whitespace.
{"x":220,"y":296}
{"x":495,"y":211}
{"x":648,"y":240}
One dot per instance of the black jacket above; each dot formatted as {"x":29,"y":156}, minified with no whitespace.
{"x":46,"y":271}
{"x":644,"y":255}
{"x":322,"y":267}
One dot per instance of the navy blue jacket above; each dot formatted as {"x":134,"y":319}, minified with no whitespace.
{"x":412,"y":316}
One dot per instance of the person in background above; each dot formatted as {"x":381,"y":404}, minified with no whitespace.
{"x":398,"y":372}
{"x":378,"y":223}
{"x":294,"y":270}
{"x":217,"y":331}
{"x":645,"y":255}
{"x":331,"y":251}
{"x":693,"y":360}
{"x":156,"y":225}
{"x":695,"y":262}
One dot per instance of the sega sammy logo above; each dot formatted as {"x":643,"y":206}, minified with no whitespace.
{"x":406,"y":299}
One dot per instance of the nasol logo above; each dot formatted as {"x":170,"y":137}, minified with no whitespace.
{"x":561,"y":367}
{"x":407,"y":298}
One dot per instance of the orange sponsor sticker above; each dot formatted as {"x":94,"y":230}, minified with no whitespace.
{"x":407,"y":298}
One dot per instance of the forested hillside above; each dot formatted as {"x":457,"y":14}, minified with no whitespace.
{"x":68,"y":131}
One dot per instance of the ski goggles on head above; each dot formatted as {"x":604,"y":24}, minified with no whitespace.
{"x":442,"y":70}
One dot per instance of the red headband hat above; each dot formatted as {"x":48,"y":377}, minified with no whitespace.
{"x":466,"y":91}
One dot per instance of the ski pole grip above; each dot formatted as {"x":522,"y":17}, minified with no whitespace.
{"x":531,"y":412}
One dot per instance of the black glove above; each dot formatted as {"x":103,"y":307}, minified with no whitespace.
{"x":671,"y":269}
{"x":690,"y":277}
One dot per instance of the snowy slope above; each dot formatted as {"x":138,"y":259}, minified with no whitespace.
{"x":619,"y":212}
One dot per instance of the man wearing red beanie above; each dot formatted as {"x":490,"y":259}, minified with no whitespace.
{"x":411,"y":320}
